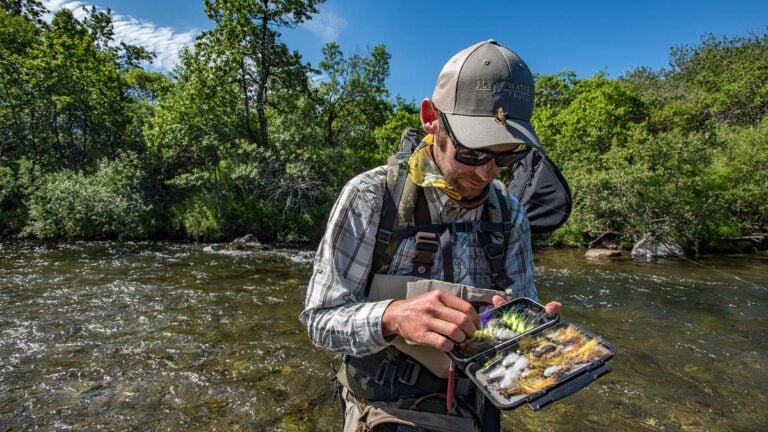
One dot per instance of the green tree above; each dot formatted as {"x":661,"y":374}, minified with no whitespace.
{"x":388,"y":135}
{"x":195,"y":128}
{"x":18,"y":37}
{"x":351,"y":95}
{"x":78,"y":112}
{"x":31,"y":10}
{"x":247,"y":46}
{"x":740,"y":171}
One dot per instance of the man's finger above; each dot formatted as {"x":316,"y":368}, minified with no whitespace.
{"x":438,"y":341}
{"x":456,"y":318}
{"x":552,"y":308}
{"x":460,"y":305}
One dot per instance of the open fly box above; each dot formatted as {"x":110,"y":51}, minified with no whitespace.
{"x":501,"y":327}
{"x":540,"y":366}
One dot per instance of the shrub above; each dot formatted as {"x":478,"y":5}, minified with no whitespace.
{"x":106,"y":204}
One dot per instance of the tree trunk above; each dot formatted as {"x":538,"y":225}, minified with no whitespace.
{"x":246,"y":100}
{"x":261,"y":94}
{"x":329,"y":128}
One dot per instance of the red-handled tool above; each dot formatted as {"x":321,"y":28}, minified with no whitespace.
{"x":449,"y":394}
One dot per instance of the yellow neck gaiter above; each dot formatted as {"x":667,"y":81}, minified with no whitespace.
{"x":424,"y":171}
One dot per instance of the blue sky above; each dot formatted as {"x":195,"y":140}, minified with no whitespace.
{"x":585,"y":37}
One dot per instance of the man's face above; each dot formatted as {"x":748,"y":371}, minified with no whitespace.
{"x":468,"y":180}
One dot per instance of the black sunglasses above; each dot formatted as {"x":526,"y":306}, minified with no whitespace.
{"x":474,"y":157}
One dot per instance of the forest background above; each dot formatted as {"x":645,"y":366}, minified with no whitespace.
{"x":240,"y":138}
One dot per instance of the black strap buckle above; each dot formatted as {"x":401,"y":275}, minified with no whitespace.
{"x":427,"y":244}
{"x":493,"y":251}
{"x":384,"y":236}
{"x":427,"y":241}
{"x":409,"y":373}
{"x":381,"y":372}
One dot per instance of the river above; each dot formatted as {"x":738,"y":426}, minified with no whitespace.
{"x":175,"y":337}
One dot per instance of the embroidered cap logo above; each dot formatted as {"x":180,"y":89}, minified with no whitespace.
{"x":501,"y":116}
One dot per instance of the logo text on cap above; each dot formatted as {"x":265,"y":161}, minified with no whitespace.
{"x":504,"y":86}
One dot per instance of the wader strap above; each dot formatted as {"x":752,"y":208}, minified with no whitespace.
{"x":426,"y":242}
{"x":426,"y":246}
{"x":506,"y":216}
{"x":495,"y":253}
{"x":447,"y":247}
{"x":384,"y":235}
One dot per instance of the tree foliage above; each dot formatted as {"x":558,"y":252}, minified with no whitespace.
{"x":245,"y":136}
{"x":664,"y":152}
{"x":108,"y":204}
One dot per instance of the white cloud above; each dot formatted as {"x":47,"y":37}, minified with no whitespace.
{"x":164,"y":41}
{"x":326,"y":25}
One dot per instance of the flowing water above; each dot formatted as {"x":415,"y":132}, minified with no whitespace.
{"x":176,"y":337}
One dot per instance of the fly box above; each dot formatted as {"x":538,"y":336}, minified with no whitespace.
{"x":541,"y":367}
{"x":502,"y":327}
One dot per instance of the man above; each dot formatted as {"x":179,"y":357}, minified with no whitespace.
{"x":478,"y":121}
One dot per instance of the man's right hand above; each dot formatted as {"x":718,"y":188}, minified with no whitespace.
{"x":436,"y":319}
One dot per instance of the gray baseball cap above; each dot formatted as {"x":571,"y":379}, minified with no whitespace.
{"x":486,"y":92}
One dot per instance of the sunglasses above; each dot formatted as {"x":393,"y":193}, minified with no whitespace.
{"x":473,"y":157}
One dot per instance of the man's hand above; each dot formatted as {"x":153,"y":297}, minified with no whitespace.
{"x":551,"y":308}
{"x":436,"y":318}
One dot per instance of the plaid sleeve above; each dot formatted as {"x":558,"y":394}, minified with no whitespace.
{"x":336,"y":313}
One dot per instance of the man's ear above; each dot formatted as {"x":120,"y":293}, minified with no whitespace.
{"x":429,"y":116}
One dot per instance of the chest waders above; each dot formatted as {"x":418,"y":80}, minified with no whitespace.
{"x":406,"y":383}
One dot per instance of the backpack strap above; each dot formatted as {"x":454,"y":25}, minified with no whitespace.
{"x":400,"y":196}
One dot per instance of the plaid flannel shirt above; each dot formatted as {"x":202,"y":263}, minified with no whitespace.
{"x":337,"y":314}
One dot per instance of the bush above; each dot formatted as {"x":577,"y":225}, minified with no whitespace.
{"x":9,"y":202}
{"x":197,"y":217}
{"x":107,"y":204}
{"x":743,"y":172}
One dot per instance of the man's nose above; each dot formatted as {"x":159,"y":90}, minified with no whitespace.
{"x":486,"y":171}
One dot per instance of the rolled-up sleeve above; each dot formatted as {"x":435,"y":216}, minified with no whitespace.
{"x":336,"y":312}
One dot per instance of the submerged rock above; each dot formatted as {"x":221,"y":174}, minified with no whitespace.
{"x":602,"y":253}
{"x":654,"y":248}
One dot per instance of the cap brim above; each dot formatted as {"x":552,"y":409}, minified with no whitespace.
{"x":478,"y":132}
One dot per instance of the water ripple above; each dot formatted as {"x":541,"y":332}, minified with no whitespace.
{"x":153,"y":336}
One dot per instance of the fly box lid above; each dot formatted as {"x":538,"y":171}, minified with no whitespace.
{"x":502,"y":327}
{"x":541,"y":367}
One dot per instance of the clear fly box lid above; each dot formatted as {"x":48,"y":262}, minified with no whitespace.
{"x":541,"y":368}
{"x":501,"y":327}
